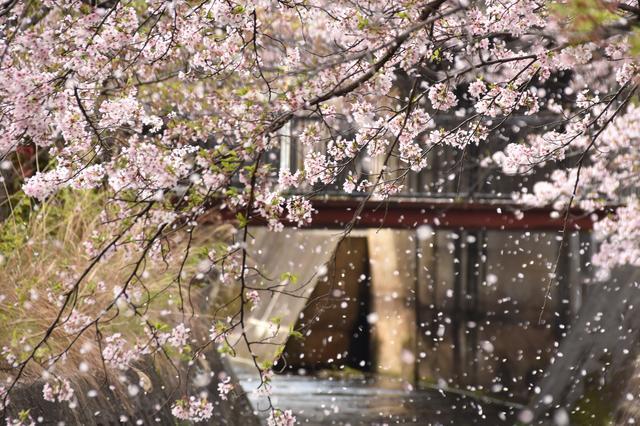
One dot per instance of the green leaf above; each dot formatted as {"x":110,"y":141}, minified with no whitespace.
{"x":436,"y":56}
{"x":363,"y":22}
{"x":24,"y":415}
{"x":296,"y":334}
{"x":289,"y":277}
{"x":278,"y":353}
{"x":242,"y":220}
{"x":266,"y":365}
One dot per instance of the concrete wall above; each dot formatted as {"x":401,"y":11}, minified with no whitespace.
{"x":481,"y":308}
{"x":158,"y":387}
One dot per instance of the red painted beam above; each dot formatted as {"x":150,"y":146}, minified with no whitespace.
{"x":403,"y":214}
{"x":336,"y":213}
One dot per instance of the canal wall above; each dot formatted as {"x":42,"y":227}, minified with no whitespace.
{"x":142,"y":395}
{"x":145,"y":393}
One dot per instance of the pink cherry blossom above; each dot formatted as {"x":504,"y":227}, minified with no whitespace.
{"x":196,"y":409}
{"x":442,"y":97}
{"x":60,"y":391}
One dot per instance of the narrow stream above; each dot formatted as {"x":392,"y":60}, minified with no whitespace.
{"x":375,"y":402}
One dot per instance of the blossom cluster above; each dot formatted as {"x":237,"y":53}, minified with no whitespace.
{"x":195,"y":409}
{"x":60,"y":391}
{"x":281,"y":418}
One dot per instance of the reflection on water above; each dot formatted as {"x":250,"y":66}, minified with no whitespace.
{"x":375,"y":401}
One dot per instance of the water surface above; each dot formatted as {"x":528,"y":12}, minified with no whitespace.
{"x":375,"y":402}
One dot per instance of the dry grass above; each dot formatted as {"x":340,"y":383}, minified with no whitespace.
{"x":43,"y":254}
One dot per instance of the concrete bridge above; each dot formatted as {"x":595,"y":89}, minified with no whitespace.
{"x":428,"y":291}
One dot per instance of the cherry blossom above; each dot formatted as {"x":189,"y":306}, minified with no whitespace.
{"x":254,"y":298}
{"x":224,"y":387}
{"x":115,"y":352}
{"x":176,"y":110}
{"x":179,"y":336}
{"x":281,"y":418}
{"x":442,"y":97}
{"x":60,"y":391}
{"x":196,"y":409}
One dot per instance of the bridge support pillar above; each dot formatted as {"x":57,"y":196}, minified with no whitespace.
{"x":392,"y":261}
